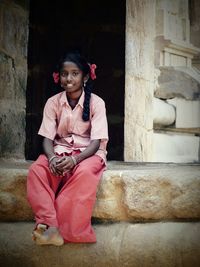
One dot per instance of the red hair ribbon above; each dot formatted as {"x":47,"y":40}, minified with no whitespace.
{"x":56,"y":77}
{"x":92,"y":71}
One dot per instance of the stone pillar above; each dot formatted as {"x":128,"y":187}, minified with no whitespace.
{"x":139,"y":79}
{"x":13,"y":71}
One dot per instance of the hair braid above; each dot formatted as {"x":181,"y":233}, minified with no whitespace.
{"x":86,"y":104}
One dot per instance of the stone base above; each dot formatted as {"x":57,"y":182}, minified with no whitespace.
{"x":127,"y":192}
{"x":124,"y":244}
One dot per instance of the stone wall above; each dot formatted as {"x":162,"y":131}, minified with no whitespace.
{"x":13,"y":71}
{"x":177,"y":92}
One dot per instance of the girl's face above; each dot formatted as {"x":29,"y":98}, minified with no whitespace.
{"x":71,"y":79}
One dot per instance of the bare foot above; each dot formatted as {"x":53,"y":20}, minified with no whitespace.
{"x":50,"y":236}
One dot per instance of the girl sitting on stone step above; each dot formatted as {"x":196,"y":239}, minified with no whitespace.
{"x":62,"y":183}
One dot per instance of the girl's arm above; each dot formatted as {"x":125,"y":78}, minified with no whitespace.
{"x":49,"y":152}
{"x":48,"y":147}
{"x":89,"y":151}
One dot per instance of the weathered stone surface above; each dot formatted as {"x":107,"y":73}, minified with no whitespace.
{"x":14,"y":29}
{"x":175,"y":147}
{"x":195,"y":25}
{"x":124,"y":244}
{"x":139,"y":81}
{"x":12,"y":128}
{"x":187,"y":112}
{"x":13,"y":71}
{"x":149,"y":194}
{"x":138,"y":127}
{"x":174,"y":13}
{"x":127,"y":192}
{"x":13,"y":203}
{"x":7,"y":75}
{"x":175,"y":83}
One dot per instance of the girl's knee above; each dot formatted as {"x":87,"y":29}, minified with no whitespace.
{"x":92,"y":165}
{"x":40,"y":162}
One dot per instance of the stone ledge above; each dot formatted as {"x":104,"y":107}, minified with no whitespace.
{"x":121,"y":244}
{"x":127,"y":192}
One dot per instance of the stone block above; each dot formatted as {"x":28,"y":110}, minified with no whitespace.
{"x":13,"y":201}
{"x":178,"y":148}
{"x":127,"y":192}
{"x":149,"y":194}
{"x":7,"y":77}
{"x":21,"y":81}
{"x":13,"y":78}
{"x":187,"y":112}
{"x":173,"y":82}
{"x":14,"y":30}
{"x":175,"y":19}
{"x":12,"y":128}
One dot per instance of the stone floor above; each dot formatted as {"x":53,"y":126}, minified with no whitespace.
{"x":158,"y":244}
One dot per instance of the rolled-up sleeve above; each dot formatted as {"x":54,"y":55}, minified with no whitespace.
{"x":48,"y":127}
{"x":99,"y":125}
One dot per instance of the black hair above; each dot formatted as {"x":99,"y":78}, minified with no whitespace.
{"x":81,"y":62}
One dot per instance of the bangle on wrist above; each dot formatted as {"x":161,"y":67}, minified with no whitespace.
{"x":53,"y":157}
{"x":74,"y":160}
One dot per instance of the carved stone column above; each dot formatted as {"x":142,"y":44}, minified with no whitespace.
{"x":139,"y":79}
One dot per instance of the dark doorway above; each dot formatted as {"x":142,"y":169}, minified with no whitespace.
{"x":98,"y":28}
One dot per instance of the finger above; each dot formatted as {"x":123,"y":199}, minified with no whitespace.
{"x":58,"y":172}
{"x":59,"y":160}
{"x":54,"y":170}
{"x":62,"y":165}
{"x":67,"y":166}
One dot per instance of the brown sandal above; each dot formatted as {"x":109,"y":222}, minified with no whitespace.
{"x":52,"y":238}
{"x":39,"y":230}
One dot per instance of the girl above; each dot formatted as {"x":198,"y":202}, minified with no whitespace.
{"x":62,"y":183}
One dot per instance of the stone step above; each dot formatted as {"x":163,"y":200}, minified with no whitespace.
{"x":119,"y":244}
{"x":127,"y":192}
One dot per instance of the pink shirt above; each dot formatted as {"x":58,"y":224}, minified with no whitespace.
{"x":67,"y":129}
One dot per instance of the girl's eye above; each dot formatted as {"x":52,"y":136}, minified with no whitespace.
{"x":75,"y":73}
{"x":63,"y":74}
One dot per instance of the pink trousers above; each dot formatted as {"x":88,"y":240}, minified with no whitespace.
{"x":65,"y":202}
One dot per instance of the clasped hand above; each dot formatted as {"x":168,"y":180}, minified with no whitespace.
{"x":60,"y":165}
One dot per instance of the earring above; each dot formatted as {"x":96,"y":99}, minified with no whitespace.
{"x":84,"y":83}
